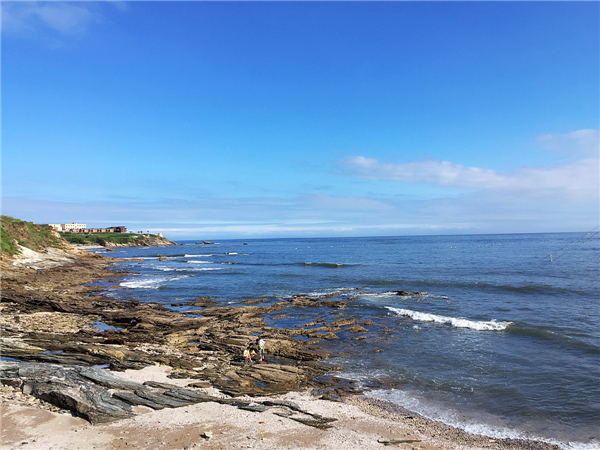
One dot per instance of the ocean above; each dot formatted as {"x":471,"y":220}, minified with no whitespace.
{"x":501,"y":338}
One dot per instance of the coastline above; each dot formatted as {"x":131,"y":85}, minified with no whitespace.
{"x":360,"y":422}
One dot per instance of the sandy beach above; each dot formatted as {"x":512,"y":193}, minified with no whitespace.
{"x":360,"y":424}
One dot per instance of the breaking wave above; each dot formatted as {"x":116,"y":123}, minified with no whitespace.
{"x":491,"y":325}
{"x":149,"y":283}
{"x":153,"y":283}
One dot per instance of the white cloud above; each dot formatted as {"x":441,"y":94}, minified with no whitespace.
{"x":575,"y":180}
{"x":442,"y":173}
{"x":26,"y":18}
{"x":580,"y":142}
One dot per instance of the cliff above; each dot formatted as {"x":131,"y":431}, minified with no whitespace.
{"x":18,"y":234}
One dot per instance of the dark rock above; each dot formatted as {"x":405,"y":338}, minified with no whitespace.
{"x":136,"y":400}
{"x":200,"y":384}
{"x":322,"y":423}
{"x":254,"y":408}
{"x":191,"y":396}
{"x":397,"y":441}
{"x":356,"y":329}
{"x":107,"y":379}
{"x":332,"y":397}
{"x":286,"y":403}
{"x":157,"y":385}
{"x":163,"y":399}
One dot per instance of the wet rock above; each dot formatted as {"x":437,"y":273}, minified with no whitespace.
{"x":254,"y":301}
{"x":358,"y":338}
{"x":200,"y":302}
{"x":343,"y":322}
{"x":356,"y":329}
{"x":330,"y":336}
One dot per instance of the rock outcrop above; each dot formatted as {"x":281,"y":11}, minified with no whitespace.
{"x":100,"y":396}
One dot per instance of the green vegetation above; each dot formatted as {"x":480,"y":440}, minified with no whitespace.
{"x":102,"y":238}
{"x":8,"y":243}
{"x":28,"y":234}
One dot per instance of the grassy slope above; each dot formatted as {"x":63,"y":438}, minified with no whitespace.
{"x":28,"y":234}
{"x":100,"y":238}
{"x":103,"y":238}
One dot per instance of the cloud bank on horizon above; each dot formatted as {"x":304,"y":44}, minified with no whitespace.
{"x":201,"y":119}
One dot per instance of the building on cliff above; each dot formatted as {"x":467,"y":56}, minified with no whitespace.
{"x":81,"y":228}
{"x":68,"y":226}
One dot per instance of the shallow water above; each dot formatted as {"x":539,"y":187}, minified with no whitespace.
{"x":503,"y":340}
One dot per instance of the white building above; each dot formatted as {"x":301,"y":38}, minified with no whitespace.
{"x":73,"y":226}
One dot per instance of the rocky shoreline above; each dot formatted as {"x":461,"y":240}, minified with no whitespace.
{"x":52,"y":316}
{"x":59,"y":333}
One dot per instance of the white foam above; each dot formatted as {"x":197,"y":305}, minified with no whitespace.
{"x":200,"y":262}
{"x":491,"y":325}
{"x":329,"y":292}
{"x":484,"y":426}
{"x":153,"y":283}
{"x":196,"y":256}
{"x":379,"y":295}
{"x":188,"y":269}
{"x":150,"y":283}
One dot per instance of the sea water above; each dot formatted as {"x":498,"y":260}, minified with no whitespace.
{"x":502,"y":338}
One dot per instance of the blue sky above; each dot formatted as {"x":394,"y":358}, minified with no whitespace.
{"x":292,"y":119}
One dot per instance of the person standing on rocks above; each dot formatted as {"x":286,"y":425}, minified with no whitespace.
{"x":247,"y":356}
{"x":261,"y":349}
